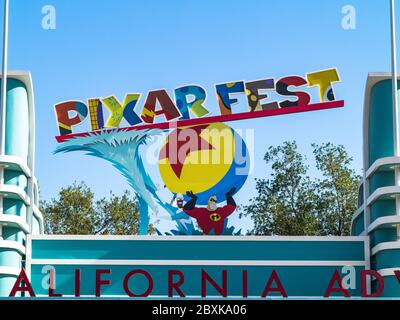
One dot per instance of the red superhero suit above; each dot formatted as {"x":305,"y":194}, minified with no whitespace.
{"x":211,"y":217}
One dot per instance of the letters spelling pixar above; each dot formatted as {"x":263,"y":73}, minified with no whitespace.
{"x":189,"y":101}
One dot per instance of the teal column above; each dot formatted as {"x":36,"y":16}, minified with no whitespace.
{"x":19,"y":214}
{"x":377,"y":216}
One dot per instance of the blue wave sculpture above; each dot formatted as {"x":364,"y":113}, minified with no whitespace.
{"x":121,"y":148}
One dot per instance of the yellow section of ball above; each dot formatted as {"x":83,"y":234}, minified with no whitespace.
{"x":202,"y":169}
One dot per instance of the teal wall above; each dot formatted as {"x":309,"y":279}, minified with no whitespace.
{"x":17,"y":119}
{"x":358,"y":225}
{"x":298,"y":281}
{"x":311,"y":280}
{"x":380,"y":122}
{"x":190,"y":250}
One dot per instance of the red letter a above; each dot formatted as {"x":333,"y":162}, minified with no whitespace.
{"x":18,"y":285}
{"x":279,"y":287}
{"x":336,"y":278}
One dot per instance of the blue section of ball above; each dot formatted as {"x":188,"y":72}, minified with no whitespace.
{"x":235,"y":177}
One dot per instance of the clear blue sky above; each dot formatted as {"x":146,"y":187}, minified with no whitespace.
{"x":103,"y":47}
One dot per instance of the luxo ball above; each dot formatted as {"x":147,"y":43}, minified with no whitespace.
{"x":206,"y":159}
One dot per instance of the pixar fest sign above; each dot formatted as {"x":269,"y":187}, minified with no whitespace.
{"x":202,"y":161}
{"x":180,"y":111}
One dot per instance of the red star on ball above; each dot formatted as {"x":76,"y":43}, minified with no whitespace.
{"x":178,"y":139}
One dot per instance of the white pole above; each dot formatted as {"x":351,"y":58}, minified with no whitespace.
{"x":4,"y":81}
{"x":394,"y":78}
{"x":3,"y":103}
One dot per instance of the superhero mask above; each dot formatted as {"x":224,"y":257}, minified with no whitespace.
{"x":212,"y":203}
{"x":179,"y":201}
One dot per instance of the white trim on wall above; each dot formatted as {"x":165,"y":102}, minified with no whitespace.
{"x":28,"y":257}
{"x":383,"y":191}
{"x":7,"y":159}
{"x":11,"y":271}
{"x":13,"y":220}
{"x":388,"y":272}
{"x":393,"y":219}
{"x":199,"y":238}
{"x":380,"y":163}
{"x":385,"y":246}
{"x":367,"y":253}
{"x":6,"y":189}
{"x":8,"y":244}
{"x":137,"y":262}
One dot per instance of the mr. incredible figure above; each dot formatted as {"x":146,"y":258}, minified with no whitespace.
{"x":211,"y":217}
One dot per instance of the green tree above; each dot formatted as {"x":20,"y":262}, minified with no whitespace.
{"x":284,"y":204}
{"x":75,"y":211}
{"x":289,"y":202}
{"x":337,"y":191}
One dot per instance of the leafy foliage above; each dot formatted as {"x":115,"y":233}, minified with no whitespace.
{"x":290,"y":203}
{"x":75,"y":211}
{"x":337,"y":191}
